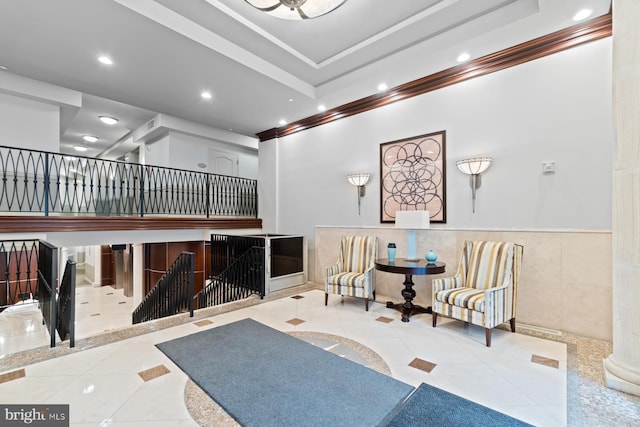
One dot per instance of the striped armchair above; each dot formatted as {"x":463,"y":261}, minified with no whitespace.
{"x":353,"y":273}
{"x":484,"y":289}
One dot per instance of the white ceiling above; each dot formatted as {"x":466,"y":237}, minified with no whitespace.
{"x":259,"y":69}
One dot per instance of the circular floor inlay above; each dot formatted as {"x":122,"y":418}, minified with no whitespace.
{"x":206,"y":412}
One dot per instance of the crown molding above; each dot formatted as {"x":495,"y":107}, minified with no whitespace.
{"x":549,"y":44}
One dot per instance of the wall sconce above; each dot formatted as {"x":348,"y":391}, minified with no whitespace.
{"x":474,"y":167}
{"x":412,"y":220}
{"x":359,"y":180}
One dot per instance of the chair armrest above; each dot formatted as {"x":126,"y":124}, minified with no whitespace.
{"x":492,"y":296}
{"x":369,"y":275}
{"x":497,"y":289}
{"x":445,"y":283}
{"x":494,"y":305}
{"x":332,"y":270}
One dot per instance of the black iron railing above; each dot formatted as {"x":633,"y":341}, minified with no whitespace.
{"x":66,"y":313}
{"x":18,"y":271}
{"x":52,"y":183}
{"x":237,"y":270}
{"x":172,"y":294}
{"x":47,"y":282}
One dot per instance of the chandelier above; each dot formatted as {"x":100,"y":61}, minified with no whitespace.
{"x":296,"y":9}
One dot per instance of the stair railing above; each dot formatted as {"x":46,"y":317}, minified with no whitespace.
{"x":172,"y":294}
{"x":238,"y":267}
{"x":47,"y":282}
{"x":18,"y":272}
{"x":66,"y":314}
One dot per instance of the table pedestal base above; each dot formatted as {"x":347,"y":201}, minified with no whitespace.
{"x":407,"y":308}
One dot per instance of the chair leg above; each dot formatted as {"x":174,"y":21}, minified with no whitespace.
{"x":487,"y":334}
{"x":326,"y":298}
{"x":434,"y":318}
{"x":513,"y":324}
{"x":374,"y":295}
{"x":366,"y":304}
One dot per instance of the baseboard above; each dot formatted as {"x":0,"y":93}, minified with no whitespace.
{"x":540,"y":329}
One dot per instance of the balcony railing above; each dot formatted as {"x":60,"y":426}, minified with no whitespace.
{"x":52,"y":183}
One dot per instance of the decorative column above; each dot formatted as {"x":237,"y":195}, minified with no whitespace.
{"x":622,"y":367}
{"x":138,"y":274}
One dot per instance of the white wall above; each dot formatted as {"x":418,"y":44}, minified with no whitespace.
{"x":181,"y":151}
{"x":157,"y":152}
{"x":92,"y":264}
{"x":187,"y":151}
{"x":26,"y":123}
{"x":268,"y":185}
{"x":557,"y":108}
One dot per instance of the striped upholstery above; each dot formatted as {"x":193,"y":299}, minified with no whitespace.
{"x":487,"y":263}
{"x":470,"y":298}
{"x":353,"y":273}
{"x":484,"y":289}
{"x":357,"y":253}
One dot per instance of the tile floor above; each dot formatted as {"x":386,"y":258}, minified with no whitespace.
{"x":98,"y":310}
{"x":125,"y":383}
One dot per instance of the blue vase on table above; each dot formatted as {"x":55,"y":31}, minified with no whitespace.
{"x":431,"y":256}
{"x":391,"y":251}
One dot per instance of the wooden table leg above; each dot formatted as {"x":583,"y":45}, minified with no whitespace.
{"x":407,"y":308}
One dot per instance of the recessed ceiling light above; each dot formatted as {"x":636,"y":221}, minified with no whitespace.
{"x":463,"y":57}
{"x":206,"y":95}
{"x":322,"y":108}
{"x":90,"y":138}
{"x":290,"y":99}
{"x":80,"y":148}
{"x":105,"y":60}
{"x":283,"y":122}
{"x":582,"y":14}
{"x":107,"y":120}
{"x":382,"y":86}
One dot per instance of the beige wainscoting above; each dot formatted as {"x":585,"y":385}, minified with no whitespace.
{"x":565,"y":284}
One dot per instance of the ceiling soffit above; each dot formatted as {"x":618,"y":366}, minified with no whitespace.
{"x":290,"y":53}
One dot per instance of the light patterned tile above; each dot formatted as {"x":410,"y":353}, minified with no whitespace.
{"x":10,"y":376}
{"x":152,"y":373}
{"x":423,"y":365}
{"x":202,"y":323}
{"x":541,"y":360}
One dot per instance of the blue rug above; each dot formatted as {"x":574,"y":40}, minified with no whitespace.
{"x":264,"y":377}
{"x":431,"y":406}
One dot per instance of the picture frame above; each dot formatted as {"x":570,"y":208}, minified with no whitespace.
{"x":413,"y":176}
